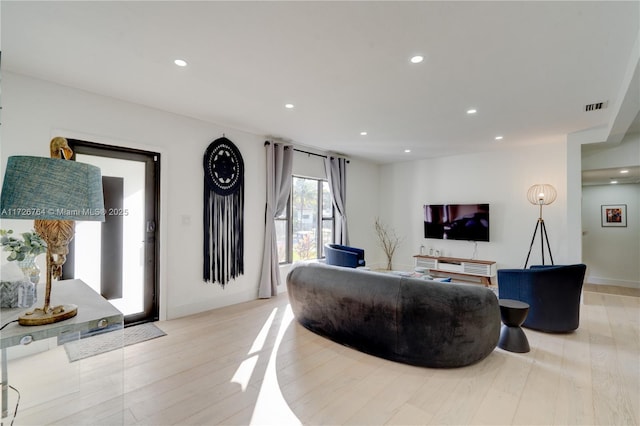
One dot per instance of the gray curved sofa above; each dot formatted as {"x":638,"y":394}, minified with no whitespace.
{"x":409,"y":320}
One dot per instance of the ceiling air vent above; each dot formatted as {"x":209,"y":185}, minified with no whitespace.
{"x":596,"y":106}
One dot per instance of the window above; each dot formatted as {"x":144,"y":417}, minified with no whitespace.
{"x":307,"y":225}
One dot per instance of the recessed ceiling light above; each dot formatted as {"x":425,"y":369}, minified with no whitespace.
{"x":624,"y":171}
{"x":471,"y":111}
{"x":407,"y":151}
{"x":614,"y":181}
{"x":499,"y":138}
{"x":288,"y":106}
{"x":363,"y":133}
{"x":417,"y":59}
{"x":180,"y":62}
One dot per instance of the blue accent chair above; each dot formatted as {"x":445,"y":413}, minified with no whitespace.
{"x":552,"y":292}
{"x":340,"y":255}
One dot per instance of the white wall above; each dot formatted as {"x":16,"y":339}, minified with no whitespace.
{"x":626,"y":153}
{"x":500,"y":178}
{"x":363,"y":199}
{"x":34,"y":111}
{"x":612,"y":253}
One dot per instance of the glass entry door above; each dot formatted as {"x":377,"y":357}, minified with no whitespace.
{"x":117,"y":258}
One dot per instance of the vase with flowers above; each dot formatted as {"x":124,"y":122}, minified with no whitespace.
{"x":24,"y":251}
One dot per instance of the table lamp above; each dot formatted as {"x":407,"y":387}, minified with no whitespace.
{"x":54,"y":192}
{"x":541,"y":194}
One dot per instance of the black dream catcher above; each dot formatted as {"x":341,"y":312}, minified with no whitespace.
{"x":223,"y":212}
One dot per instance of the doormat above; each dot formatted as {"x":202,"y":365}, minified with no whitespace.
{"x":95,"y":345}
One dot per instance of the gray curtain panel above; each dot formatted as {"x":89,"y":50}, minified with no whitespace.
{"x":279,"y":169}
{"x":336,"y":169}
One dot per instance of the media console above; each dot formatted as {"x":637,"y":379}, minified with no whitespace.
{"x":483,"y":269}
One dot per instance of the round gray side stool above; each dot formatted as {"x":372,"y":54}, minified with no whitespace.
{"x":512,"y":337}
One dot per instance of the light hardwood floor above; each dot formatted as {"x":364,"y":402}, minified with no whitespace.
{"x":251,"y":364}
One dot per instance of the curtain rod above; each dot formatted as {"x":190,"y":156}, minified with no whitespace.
{"x":309,"y":153}
{"x":305,"y":152}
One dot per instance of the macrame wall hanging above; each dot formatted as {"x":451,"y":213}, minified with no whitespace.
{"x":223,"y":212}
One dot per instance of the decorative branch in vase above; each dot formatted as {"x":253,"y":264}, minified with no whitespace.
{"x":388,"y":240}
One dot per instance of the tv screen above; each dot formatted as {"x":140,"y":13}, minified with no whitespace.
{"x":469,"y":222}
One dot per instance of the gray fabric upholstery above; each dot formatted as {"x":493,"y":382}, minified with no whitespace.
{"x":409,"y":320}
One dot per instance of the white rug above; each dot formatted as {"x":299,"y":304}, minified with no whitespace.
{"x":90,"y":346}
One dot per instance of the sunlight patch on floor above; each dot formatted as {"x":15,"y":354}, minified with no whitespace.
{"x":244,"y":372}
{"x":271,"y":407}
{"x":258,"y":343}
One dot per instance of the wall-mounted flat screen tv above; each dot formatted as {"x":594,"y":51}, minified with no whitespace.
{"x":468,"y":222}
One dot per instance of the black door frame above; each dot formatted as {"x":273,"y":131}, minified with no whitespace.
{"x":152,"y":214}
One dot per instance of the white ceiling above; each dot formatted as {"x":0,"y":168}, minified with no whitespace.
{"x":607,"y":176}
{"x":529,"y":68}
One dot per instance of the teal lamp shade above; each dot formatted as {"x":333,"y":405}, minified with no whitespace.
{"x":51,"y":189}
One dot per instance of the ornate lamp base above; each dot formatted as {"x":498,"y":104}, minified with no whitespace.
{"x":41,"y":316}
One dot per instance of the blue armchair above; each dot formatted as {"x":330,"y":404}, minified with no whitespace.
{"x":340,"y":255}
{"x":552,"y":292}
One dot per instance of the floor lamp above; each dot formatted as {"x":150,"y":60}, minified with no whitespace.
{"x":541,"y":195}
{"x":54,"y":193}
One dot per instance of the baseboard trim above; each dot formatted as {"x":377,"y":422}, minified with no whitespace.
{"x":612,"y":281}
{"x":220,"y":301}
{"x":611,"y":289}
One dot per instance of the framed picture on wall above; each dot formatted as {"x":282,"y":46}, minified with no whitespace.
{"x":614,"y":215}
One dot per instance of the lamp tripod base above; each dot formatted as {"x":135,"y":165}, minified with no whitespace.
{"x":543,"y":238}
{"x":41,"y":316}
